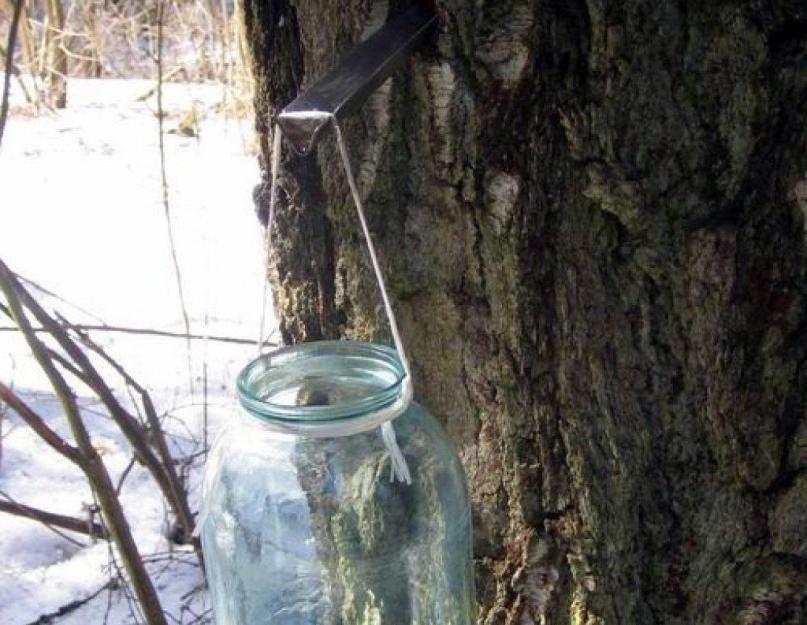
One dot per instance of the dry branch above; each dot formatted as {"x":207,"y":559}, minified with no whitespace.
{"x":47,"y":619}
{"x":12,"y":43}
{"x":82,"y":526}
{"x":38,"y":425}
{"x":91,"y":463}
{"x":178,"y":498}
{"x":56,"y":54}
{"x":135,"y":432}
{"x":152,"y":332}
{"x":164,"y":183}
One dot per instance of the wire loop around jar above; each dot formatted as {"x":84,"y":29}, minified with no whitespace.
{"x":346,"y":426}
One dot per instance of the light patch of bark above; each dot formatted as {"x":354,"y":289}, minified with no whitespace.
{"x":506,"y":52}
{"x":442,"y":83}
{"x":502,"y":193}
{"x":612,"y":193}
{"x":378,"y":123}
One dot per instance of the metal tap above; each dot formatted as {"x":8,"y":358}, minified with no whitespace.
{"x":345,"y":88}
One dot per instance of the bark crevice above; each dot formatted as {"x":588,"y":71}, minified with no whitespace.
{"x":591,"y":217}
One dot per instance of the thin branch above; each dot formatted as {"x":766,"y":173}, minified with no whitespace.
{"x":160,"y":465}
{"x":3,"y":412}
{"x":150,"y":332}
{"x":59,"y":533}
{"x":124,"y":475}
{"x":18,"y":77}
{"x":14,"y":69}
{"x":93,"y":465}
{"x":81,"y":526}
{"x":131,"y":428}
{"x":94,"y":347}
{"x":56,"y":296}
{"x":179,"y":501}
{"x":10,"y":46}
{"x":164,"y":179}
{"x":87,"y":373}
{"x":205,"y":410}
{"x":66,"y":609}
{"x":131,"y":603}
{"x":12,"y":290}
{"x":153,"y":90}
{"x":38,"y":425}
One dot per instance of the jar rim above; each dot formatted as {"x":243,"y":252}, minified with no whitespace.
{"x":282,"y":367}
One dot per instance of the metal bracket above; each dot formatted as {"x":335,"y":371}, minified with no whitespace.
{"x":345,"y":88}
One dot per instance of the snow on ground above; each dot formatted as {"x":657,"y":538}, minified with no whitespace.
{"x":81,"y":214}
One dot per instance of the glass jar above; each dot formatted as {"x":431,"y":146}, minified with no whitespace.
{"x":303,"y":521}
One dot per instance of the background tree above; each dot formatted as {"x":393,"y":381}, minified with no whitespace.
{"x":57,"y":54}
{"x":592,"y":219}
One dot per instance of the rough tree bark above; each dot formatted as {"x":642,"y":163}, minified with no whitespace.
{"x":592,"y":219}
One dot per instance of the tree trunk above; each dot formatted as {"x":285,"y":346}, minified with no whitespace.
{"x":591,"y":216}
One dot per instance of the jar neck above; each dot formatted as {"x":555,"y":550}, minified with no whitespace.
{"x":325,"y":388}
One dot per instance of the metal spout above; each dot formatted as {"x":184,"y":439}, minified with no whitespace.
{"x":343,"y":91}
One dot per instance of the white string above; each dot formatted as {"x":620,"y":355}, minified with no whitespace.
{"x":393,"y":323}
{"x":398,"y":468}
{"x":270,"y":220}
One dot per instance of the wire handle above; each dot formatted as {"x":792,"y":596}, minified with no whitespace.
{"x":399,"y":469}
{"x":270,"y":220}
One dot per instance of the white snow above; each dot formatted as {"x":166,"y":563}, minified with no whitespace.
{"x":82,"y":215}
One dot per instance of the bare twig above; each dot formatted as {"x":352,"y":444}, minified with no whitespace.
{"x":10,"y":46}
{"x":142,"y":438}
{"x":66,"y":609}
{"x":131,"y":603}
{"x":168,"y":76}
{"x":56,"y":296}
{"x":86,"y":372}
{"x":108,"y":609}
{"x":178,"y":499}
{"x":51,"y":519}
{"x":91,"y":462}
{"x":164,"y":180}
{"x":205,"y":415}
{"x":18,"y":77}
{"x":3,"y":411}
{"x":124,"y":475}
{"x":151,"y":332}
{"x":38,"y":425}
{"x":54,"y":58}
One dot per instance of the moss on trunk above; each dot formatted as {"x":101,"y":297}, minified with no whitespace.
{"x":592,"y":219}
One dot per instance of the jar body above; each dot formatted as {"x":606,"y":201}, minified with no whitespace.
{"x":304,"y":530}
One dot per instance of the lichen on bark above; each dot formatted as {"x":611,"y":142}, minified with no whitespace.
{"x":592,"y":219}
